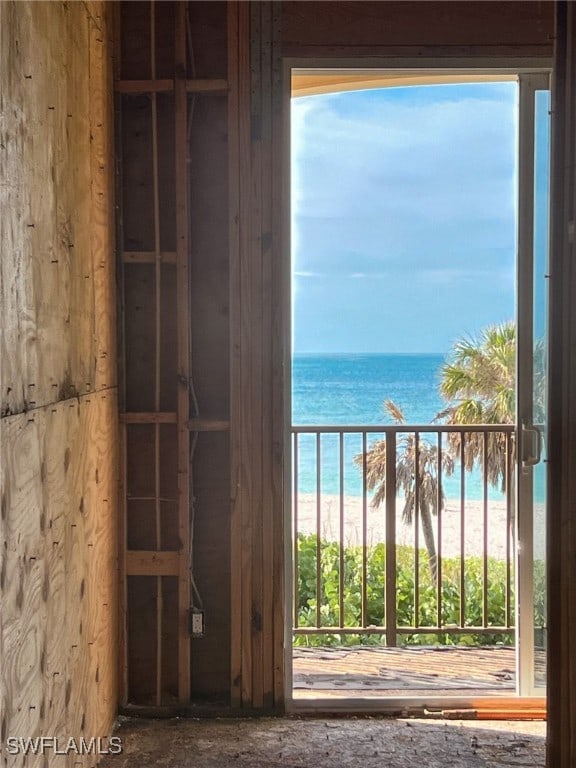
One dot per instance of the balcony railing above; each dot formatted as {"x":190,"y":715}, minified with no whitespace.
{"x":361,"y":569}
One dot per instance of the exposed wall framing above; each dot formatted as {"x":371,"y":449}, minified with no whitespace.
{"x":174,"y":299}
{"x":58,"y":617}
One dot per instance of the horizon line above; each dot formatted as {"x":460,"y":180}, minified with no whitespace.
{"x":407,"y":354}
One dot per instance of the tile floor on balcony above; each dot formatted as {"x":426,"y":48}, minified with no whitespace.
{"x":414,"y":671}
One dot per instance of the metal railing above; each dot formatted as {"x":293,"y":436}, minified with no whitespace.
{"x":363,"y":569}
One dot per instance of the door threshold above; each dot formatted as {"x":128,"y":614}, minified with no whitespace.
{"x":445,"y":707}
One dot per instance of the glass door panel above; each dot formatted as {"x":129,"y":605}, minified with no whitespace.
{"x":540,"y":354}
{"x":532,"y":310}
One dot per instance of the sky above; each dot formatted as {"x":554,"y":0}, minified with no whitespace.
{"x":403,"y":216}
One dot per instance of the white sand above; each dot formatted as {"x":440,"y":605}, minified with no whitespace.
{"x":497,"y":529}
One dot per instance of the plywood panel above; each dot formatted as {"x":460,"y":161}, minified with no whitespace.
{"x":58,"y":569}
{"x":417,"y":28}
{"x":56,"y":177}
{"x":58,"y":619}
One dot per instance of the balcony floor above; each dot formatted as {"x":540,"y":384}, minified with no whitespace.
{"x":413,"y":671}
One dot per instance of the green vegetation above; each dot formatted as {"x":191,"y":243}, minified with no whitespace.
{"x":427,"y":499}
{"x":405,"y":576}
{"x":478,"y":383}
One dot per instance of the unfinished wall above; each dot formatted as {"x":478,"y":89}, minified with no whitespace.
{"x":172,"y":116}
{"x":58,"y":567}
{"x":239,"y":309}
{"x":450,"y":28}
{"x":561,"y":480}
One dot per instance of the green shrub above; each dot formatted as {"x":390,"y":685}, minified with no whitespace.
{"x":329,"y":598}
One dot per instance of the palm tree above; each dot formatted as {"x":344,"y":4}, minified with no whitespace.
{"x":480,"y":381}
{"x":409,"y":453}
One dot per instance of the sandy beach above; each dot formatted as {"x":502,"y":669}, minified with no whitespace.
{"x":450,"y":518}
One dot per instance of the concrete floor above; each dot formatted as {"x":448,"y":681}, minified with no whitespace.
{"x":328,"y":743}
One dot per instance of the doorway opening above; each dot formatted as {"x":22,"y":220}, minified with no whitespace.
{"x":419,"y":249}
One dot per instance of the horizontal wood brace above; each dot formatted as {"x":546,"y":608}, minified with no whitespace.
{"x":208,"y":425}
{"x":148,"y":417}
{"x":167,"y":499}
{"x":167,"y":86}
{"x":148,"y":257}
{"x":152,"y":563}
{"x":170,"y":417}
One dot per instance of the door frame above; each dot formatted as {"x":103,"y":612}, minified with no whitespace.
{"x":426,"y":66}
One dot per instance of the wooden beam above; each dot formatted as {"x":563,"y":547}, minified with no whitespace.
{"x":561,"y":478}
{"x":240,"y":361}
{"x":183,"y":349}
{"x":157,"y":350}
{"x":148,"y":417}
{"x":148,"y":257}
{"x":167,"y":85}
{"x":151,"y":563}
{"x":256,"y":415}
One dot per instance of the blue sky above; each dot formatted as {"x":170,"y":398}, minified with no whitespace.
{"x":403,"y":206}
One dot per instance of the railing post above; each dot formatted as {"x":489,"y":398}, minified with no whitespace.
{"x":390,"y":588}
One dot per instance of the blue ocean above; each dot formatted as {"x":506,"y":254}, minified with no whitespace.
{"x":350,"y":389}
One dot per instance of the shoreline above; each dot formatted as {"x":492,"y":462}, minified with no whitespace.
{"x":405,"y":534}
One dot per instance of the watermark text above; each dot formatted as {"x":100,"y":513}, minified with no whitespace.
{"x":41,"y":745}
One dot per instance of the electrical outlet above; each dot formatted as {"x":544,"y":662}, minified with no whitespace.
{"x":197,"y":623}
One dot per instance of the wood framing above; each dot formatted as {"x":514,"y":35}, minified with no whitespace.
{"x":561,"y":479}
{"x":183,"y":348}
{"x":360,"y":29}
{"x":239,"y":309}
{"x":175,"y":356}
{"x":155,"y":526}
{"x":257,"y":420}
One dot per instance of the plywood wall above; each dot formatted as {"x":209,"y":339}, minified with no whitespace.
{"x":58,"y":565}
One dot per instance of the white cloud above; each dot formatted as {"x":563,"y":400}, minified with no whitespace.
{"x":402,"y":203}
{"x":403,"y":180}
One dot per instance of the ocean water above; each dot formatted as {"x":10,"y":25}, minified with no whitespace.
{"x":349,"y":389}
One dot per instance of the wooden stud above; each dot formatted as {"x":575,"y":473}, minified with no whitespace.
{"x":561,"y":479}
{"x":157,"y":348}
{"x":235,"y":10}
{"x":183,"y":348}
{"x":282,"y":362}
{"x":253,"y":290}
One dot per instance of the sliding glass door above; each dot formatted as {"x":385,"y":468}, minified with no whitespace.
{"x":532,"y":271}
